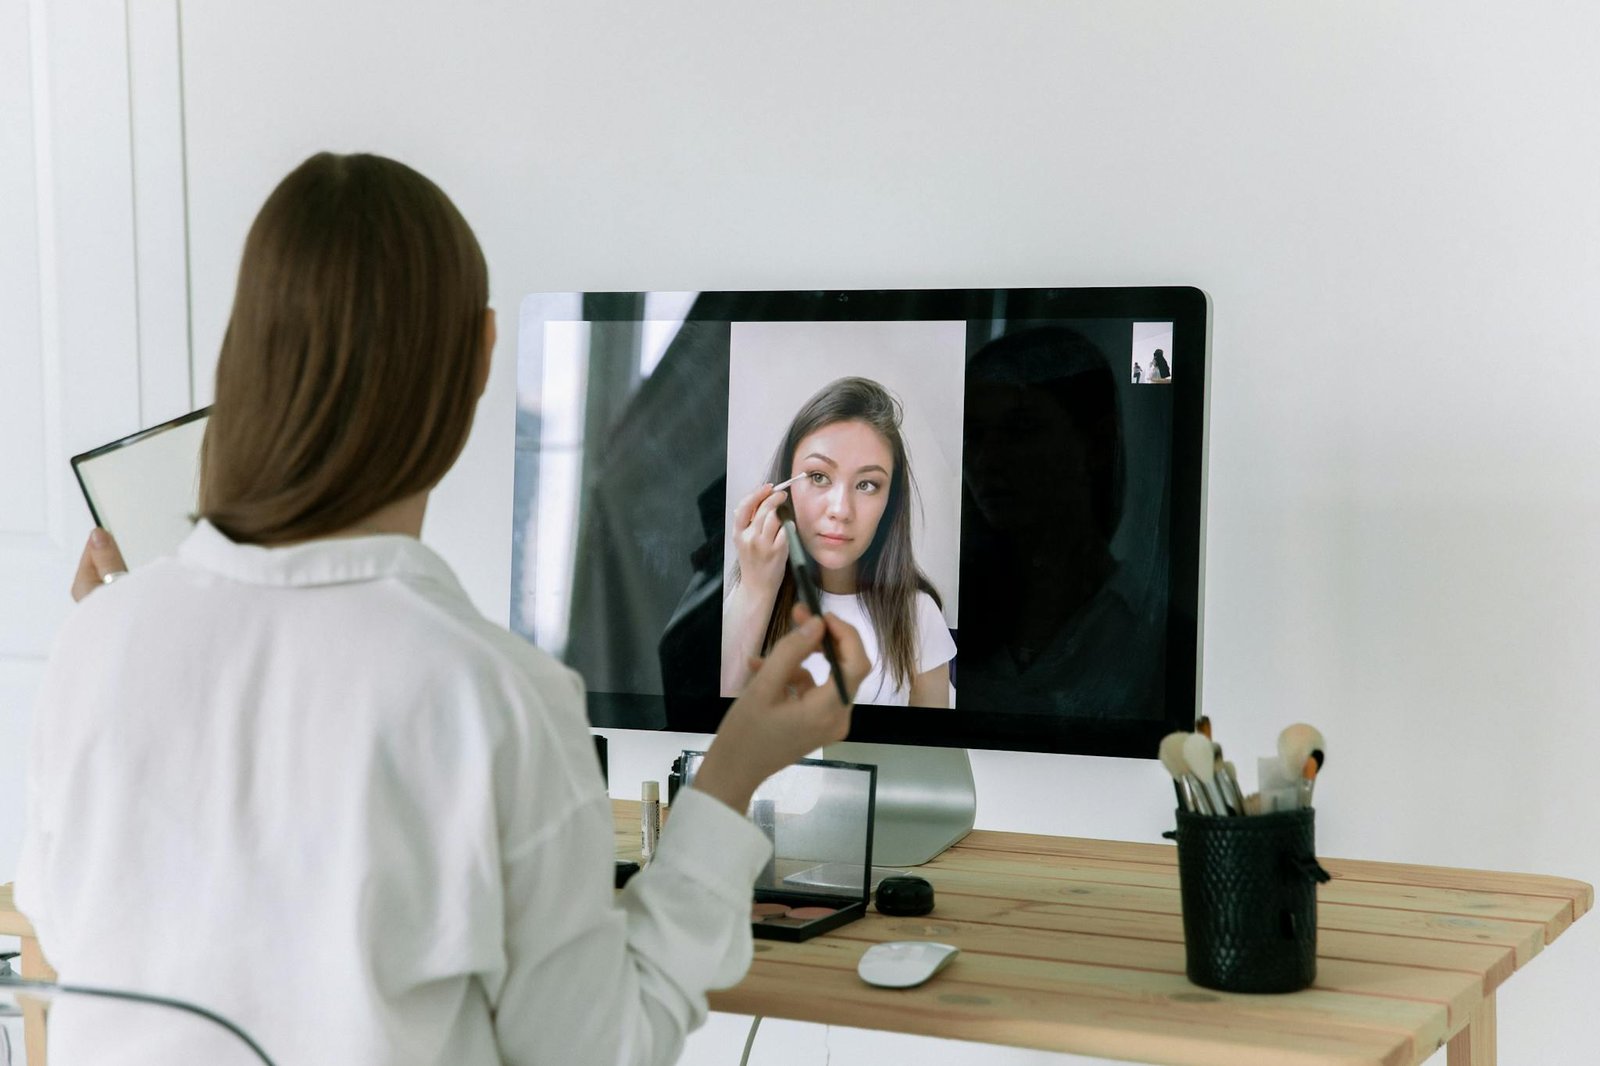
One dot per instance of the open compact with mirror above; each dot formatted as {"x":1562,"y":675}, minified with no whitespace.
{"x":818,"y":815}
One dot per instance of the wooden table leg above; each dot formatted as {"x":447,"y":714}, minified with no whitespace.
{"x":1474,"y":1045}
{"x":34,"y":968}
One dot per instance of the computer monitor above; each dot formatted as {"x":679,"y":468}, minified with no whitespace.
{"x":1002,"y":488}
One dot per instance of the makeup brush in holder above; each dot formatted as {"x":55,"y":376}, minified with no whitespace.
{"x":1249,"y":893}
{"x":1248,"y":884}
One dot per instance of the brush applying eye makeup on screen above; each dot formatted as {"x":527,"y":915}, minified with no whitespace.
{"x":791,"y":481}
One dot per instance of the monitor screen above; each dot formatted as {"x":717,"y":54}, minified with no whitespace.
{"x":1000,"y":488}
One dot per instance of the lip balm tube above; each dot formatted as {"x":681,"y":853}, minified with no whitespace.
{"x":649,"y":820}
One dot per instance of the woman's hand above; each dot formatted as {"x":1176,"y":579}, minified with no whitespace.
{"x":762,"y":549}
{"x":783,"y":713}
{"x":100,"y":564}
{"x":758,"y":539}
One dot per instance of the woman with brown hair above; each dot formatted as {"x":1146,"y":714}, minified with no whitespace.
{"x":842,"y":474}
{"x":290,"y":774}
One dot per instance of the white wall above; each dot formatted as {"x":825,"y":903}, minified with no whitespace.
{"x":1394,"y":209}
{"x":87,"y":352}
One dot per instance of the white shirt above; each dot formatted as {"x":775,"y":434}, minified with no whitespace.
{"x":934,"y":646}
{"x":313,"y":790}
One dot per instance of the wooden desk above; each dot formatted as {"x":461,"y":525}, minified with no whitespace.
{"x":1077,"y":946}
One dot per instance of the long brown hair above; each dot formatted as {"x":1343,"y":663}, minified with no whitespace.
{"x":887,"y":577}
{"x":347,"y":376}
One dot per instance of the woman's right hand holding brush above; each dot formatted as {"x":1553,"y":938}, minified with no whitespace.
{"x":783,"y":714}
{"x":758,"y":539}
{"x":763,"y":551}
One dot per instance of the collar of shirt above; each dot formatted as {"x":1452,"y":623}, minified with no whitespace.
{"x":329,"y":561}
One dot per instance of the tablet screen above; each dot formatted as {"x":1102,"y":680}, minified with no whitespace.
{"x":145,"y":488}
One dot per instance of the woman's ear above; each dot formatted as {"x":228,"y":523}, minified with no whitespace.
{"x":489,"y":336}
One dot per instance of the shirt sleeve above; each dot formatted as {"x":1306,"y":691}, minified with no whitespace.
{"x":934,"y":643}
{"x":617,"y":979}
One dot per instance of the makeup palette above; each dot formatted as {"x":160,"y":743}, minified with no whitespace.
{"x":818,"y":815}
{"x":779,"y":916}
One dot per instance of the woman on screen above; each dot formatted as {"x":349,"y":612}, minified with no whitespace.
{"x":842,"y":473}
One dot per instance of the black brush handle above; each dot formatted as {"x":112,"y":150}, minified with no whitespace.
{"x":813,"y":601}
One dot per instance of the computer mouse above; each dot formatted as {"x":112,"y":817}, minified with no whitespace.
{"x":904,"y":963}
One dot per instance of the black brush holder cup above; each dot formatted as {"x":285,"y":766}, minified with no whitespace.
{"x":1249,"y":888}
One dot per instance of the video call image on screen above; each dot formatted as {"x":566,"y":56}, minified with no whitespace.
{"x":867,"y":416}
{"x":987,"y":502}
{"x":1152,"y":353}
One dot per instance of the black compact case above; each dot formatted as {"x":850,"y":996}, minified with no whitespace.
{"x":818,"y":815}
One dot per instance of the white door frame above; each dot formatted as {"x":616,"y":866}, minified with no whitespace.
{"x":94,"y":304}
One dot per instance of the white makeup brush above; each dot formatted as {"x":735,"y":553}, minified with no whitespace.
{"x":786,"y":484}
{"x":1202,"y":762}
{"x":1296,"y":744}
{"x":1171,"y":754}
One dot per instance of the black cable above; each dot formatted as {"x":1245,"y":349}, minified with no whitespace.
{"x":139,"y":997}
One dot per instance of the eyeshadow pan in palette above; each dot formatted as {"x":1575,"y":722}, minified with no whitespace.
{"x":800,"y":921}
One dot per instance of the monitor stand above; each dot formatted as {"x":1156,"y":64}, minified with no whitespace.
{"x":925,"y":803}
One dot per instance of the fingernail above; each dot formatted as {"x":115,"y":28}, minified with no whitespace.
{"x":97,"y":537}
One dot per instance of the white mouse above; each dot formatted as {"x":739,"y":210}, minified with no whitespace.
{"x":904,"y":963}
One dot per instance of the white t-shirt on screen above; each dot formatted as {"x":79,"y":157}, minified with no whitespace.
{"x":934,"y":646}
